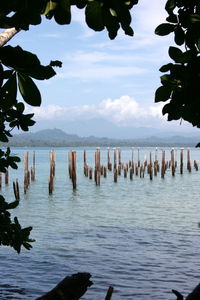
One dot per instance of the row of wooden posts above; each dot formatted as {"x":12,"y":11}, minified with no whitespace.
{"x":152,"y":168}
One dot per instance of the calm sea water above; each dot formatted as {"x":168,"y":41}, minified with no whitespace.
{"x":140,"y":236}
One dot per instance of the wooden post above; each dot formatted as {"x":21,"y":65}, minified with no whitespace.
{"x":0,"y":180}
{"x":74,"y":169}
{"x":163,"y":166}
{"x":173,"y":162}
{"x":90,"y":173}
{"x":97,"y":166}
{"x":26,"y":173}
{"x":109,"y":163}
{"x":150,"y":167}
{"x":119,"y":157}
{"x":181,"y":160}
{"x":115,"y":175}
{"x":104,"y":172}
{"x":70,"y":164}
{"x":188,"y":160}
{"x":52,"y":171}
{"x":196,"y":165}
{"x":115,"y":159}
{"x":16,"y":190}
{"x":6,"y":177}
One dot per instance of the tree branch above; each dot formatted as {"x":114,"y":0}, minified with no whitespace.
{"x":6,"y":35}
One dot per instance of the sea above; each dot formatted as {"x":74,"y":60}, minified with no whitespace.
{"x":140,"y":236}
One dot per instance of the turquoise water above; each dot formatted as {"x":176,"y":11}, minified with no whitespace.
{"x":140,"y":236}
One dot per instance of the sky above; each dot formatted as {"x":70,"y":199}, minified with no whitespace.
{"x":102,"y":79}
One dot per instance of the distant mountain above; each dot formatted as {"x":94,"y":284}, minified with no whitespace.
{"x":103,"y":128}
{"x":57,"y":137}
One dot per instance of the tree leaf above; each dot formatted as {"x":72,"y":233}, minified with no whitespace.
{"x":163,"y":93}
{"x":170,"y":5}
{"x":179,"y":36}
{"x":62,"y":13}
{"x":166,"y":68}
{"x":175,"y":54}
{"x":9,"y":92}
{"x":93,"y":15}
{"x":29,"y":90}
{"x":164,"y":29}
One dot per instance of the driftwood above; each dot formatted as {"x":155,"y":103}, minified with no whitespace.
{"x":194,"y":295}
{"x":74,"y":287}
{"x":70,"y":288}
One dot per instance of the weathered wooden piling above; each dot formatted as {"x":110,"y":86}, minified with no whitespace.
{"x":115,"y":175}
{"x":196,"y":166}
{"x":90,"y":173}
{"x":52,"y":171}
{"x":104,"y":172}
{"x":6,"y":177}
{"x":85,"y":166}
{"x":109,"y":163}
{"x":173,"y":162}
{"x":131,"y":173}
{"x":70,"y":164}
{"x":119,"y":156}
{"x":181,"y":160}
{"x":115,"y":158}
{"x":97,"y":166}
{"x":163,"y":165}
{"x":16,"y":190}
{"x":0,"y":180}
{"x":74,"y":178}
{"x":26,"y":172}
{"x":189,"y":168}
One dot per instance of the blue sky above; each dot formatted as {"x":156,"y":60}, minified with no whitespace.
{"x":113,"y":80}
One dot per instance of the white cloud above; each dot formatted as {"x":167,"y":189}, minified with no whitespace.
{"x":122,"y":111}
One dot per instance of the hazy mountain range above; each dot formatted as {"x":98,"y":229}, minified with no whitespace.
{"x":57,"y":137}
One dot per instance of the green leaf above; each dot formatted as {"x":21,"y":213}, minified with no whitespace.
{"x":94,"y":16}
{"x":12,"y":205}
{"x":111,"y":23}
{"x":163,"y":93}
{"x":164,"y":29}
{"x":194,"y":18}
{"x":55,"y":63}
{"x":166,"y":68}
{"x":29,"y":90}
{"x":40,"y":72}
{"x":62,"y":13}
{"x":9,"y":92}
{"x":179,"y":36}
{"x":170,"y":5}
{"x":175,"y":54}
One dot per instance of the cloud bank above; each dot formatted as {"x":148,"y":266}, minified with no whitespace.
{"x":123,"y":111}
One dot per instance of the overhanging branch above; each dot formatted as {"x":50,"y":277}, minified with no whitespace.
{"x":6,"y":35}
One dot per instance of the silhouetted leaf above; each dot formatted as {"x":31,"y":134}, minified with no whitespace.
{"x":29,"y":90}
{"x":93,"y":15}
{"x":164,"y":29}
{"x":175,"y":53}
{"x":179,"y":36}
{"x":56,"y":63}
{"x":62,"y":13}
{"x":162,"y":93}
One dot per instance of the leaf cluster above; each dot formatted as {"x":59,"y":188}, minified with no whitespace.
{"x":11,"y":232}
{"x":181,"y":85}
{"x":99,"y":14}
